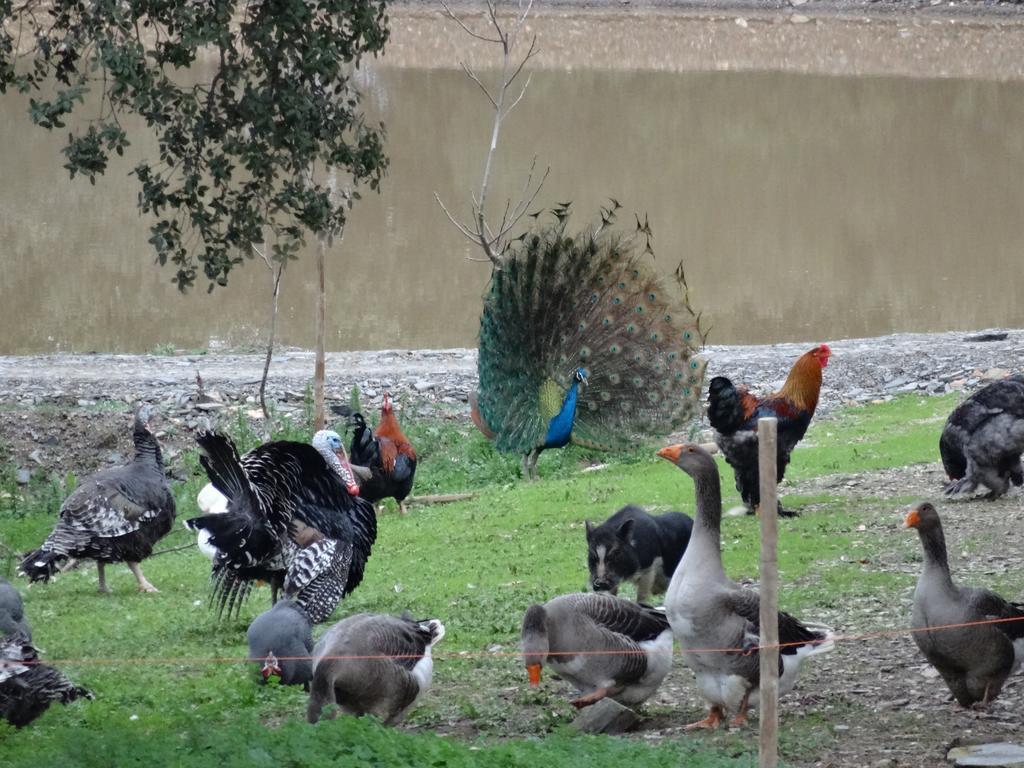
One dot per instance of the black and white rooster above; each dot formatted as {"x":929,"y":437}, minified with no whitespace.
{"x":293,"y":519}
{"x":115,"y":515}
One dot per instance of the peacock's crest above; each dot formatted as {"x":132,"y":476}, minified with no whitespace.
{"x":586,"y":316}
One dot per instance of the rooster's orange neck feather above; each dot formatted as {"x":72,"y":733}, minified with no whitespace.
{"x":803,"y":385}
{"x":389,"y":428}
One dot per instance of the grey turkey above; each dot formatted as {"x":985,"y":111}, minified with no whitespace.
{"x":12,"y":611}
{"x":113,"y":516}
{"x":983,"y":439}
{"x":27,"y":688}
{"x":293,"y":519}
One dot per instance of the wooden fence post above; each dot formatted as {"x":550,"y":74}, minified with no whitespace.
{"x":768,"y":747}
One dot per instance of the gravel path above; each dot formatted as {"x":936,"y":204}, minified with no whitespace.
{"x":860,"y":370}
{"x":74,"y":428}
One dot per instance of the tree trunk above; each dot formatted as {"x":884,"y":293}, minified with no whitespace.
{"x":319,"y":418}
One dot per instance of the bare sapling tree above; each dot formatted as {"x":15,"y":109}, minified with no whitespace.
{"x":324,"y":242}
{"x":277,"y":272}
{"x":493,"y":238}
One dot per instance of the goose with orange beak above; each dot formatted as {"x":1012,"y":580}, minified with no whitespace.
{"x":974,"y":660}
{"x":606,"y":646}
{"x":709,"y":611}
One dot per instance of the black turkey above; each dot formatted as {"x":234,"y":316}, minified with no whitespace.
{"x":293,"y":519}
{"x":113,"y":516}
{"x":27,"y":688}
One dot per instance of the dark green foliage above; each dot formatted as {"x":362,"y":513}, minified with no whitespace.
{"x":591,"y":300}
{"x":236,"y":153}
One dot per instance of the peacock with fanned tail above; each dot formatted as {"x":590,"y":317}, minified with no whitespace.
{"x":581,"y":341}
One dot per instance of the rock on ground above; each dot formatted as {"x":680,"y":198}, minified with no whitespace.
{"x":607,"y":716}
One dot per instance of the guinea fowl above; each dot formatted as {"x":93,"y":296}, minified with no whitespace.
{"x":373,"y":664}
{"x":708,"y":611}
{"x":27,"y":687}
{"x":582,"y":342}
{"x":293,"y":519}
{"x":983,"y":440}
{"x":12,"y":611}
{"x":281,"y":641}
{"x":385,"y":452}
{"x":604,"y":645}
{"x":115,"y":515}
{"x":734,"y":412}
{"x":974,"y":660}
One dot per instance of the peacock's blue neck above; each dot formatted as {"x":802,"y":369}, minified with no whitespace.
{"x":560,"y":426}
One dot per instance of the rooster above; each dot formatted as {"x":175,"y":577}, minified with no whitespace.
{"x":734,"y":412}
{"x":383,"y":457}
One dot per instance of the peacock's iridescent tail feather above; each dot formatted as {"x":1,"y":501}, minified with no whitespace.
{"x":590,"y":301}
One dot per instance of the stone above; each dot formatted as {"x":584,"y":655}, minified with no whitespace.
{"x":995,"y":374}
{"x":423,"y":385}
{"x":987,"y":335}
{"x":210,"y":406}
{"x":897,"y":383}
{"x":607,"y":716}
{"x":22,"y":476}
{"x":741,"y":22}
{"x":799,"y":18}
{"x":996,"y":754}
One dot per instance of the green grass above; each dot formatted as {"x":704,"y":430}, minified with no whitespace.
{"x":475,"y":564}
{"x":901,"y":432}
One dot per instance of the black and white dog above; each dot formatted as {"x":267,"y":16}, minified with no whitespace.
{"x":632,"y":545}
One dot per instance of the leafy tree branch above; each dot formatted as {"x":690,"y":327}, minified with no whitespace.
{"x":235,"y":152}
